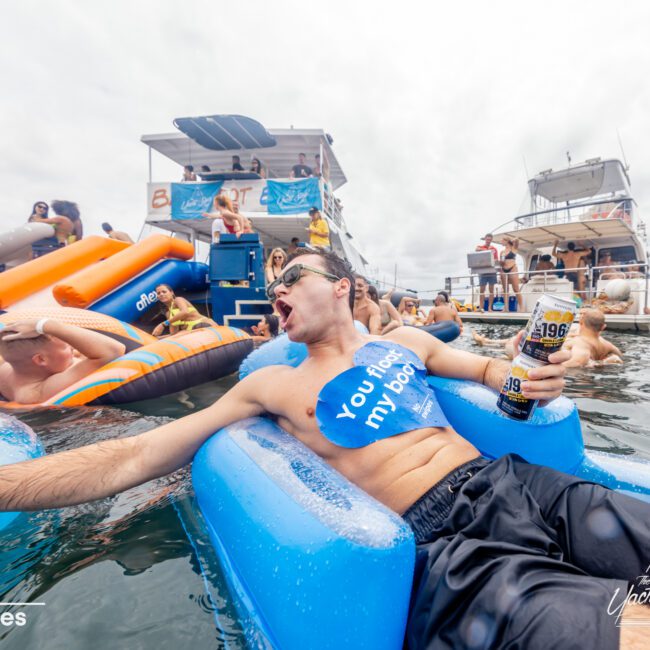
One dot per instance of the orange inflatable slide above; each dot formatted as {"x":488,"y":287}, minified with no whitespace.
{"x":79,"y":274}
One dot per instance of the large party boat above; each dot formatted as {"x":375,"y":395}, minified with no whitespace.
{"x":590,"y":206}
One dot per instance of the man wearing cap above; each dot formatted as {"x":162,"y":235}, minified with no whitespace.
{"x":319,"y":232}
{"x":489,"y":279}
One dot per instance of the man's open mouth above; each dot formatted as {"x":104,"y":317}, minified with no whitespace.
{"x":284,"y":310}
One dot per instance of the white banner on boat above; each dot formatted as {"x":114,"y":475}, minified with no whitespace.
{"x":248,"y":194}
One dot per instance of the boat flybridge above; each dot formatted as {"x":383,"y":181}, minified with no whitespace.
{"x":276,"y":204}
{"x":591,"y":206}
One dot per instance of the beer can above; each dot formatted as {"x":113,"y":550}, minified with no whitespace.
{"x":511,"y":401}
{"x":547,"y":327}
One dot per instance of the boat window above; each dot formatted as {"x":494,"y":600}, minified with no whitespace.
{"x":533,"y":262}
{"x":620,"y":254}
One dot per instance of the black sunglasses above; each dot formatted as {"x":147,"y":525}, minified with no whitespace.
{"x":40,"y":205}
{"x":292,"y":275}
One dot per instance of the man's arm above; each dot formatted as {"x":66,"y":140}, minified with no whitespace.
{"x":580,"y":355}
{"x":545,"y":383}
{"x":374,"y":322}
{"x":106,"y":468}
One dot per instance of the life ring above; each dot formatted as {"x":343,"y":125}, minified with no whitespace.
{"x":160,"y":367}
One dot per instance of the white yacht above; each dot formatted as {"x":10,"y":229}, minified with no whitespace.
{"x":590,"y":205}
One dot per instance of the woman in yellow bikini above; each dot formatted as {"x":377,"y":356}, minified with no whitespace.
{"x":181,"y":314}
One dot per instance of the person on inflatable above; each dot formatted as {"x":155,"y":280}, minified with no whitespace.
{"x":181,"y":314}
{"x":442,"y":310}
{"x":38,"y":358}
{"x":390,"y":318}
{"x":533,"y":555}
{"x":365,"y":310}
{"x":268,"y":328}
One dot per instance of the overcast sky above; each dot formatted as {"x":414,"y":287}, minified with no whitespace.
{"x":434,"y":107}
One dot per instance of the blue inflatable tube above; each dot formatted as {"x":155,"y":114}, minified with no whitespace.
{"x":131,"y":300}
{"x":446,"y":330}
{"x":17,"y":443}
{"x":313,"y":560}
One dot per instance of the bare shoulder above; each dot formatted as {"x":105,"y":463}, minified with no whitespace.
{"x":265,"y":384}
{"x":417,"y":340}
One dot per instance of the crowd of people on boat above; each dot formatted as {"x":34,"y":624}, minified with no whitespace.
{"x":66,"y":221}
{"x":506,"y":278}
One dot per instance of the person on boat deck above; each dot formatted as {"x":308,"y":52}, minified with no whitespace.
{"x":236,"y":164}
{"x":293,"y":246}
{"x":510,"y":273}
{"x":248,"y":224}
{"x":38,"y":360}
{"x":316,"y":171}
{"x":40,"y":212}
{"x":205,"y":169}
{"x":181,"y":314}
{"x":365,"y":310}
{"x":233,"y":222}
{"x":635,"y":270}
{"x":188,"y":174}
{"x":268,"y":328}
{"x":274,"y":265}
{"x":442,"y":310}
{"x":518,"y":548}
{"x":390,"y":318}
{"x":487,"y":279}
{"x":71,"y":211}
{"x":611,"y":272}
{"x":116,"y":234}
{"x":319,"y":231}
{"x":301,"y":170}
{"x":257,"y":168}
{"x":589,"y":347}
{"x":545,"y":264}
{"x":409,"y":311}
{"x":576,"y":259}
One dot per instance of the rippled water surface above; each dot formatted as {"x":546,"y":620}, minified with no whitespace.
{"x":122,"y":572}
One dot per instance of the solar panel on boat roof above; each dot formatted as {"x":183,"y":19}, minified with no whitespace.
{"x":225,"y":132}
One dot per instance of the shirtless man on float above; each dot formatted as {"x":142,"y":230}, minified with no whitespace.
{"x":365,"y":310}
{"x":37,"y":358}
{"x":442,"y":310}
{"x":486,"y":529}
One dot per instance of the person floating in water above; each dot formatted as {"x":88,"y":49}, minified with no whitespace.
{"x":442,"y":310}
{"x":181,"y":314}
{"x":501,"y":542}
{"x":38,"y":359}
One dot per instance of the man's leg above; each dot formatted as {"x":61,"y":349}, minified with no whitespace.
{"x":491,"y":295}
{"x":481,"y":296}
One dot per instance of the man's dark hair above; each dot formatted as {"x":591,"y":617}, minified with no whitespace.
{"x":235,"y":158}
{"x":190,"y":168}
{"x":545,"y":258}
{"x":571,"y":246}
{"x":333,"y":264}
{"x":294,"y":240}
{"x":66,"y":209}
{"x":106,"y":227}
{"x":302,"y":154}
{"x":313,"y":210}
{"x":444,"y":294}
{"x":205,"y":168}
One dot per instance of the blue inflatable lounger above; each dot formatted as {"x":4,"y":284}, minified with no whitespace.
{"x":317,"y":563}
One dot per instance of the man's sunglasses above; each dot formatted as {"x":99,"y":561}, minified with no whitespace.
{"x":292,"y":275}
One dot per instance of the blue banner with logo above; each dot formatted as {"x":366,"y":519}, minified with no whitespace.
{"x":191,"y":200}
{"x":293,"y":197}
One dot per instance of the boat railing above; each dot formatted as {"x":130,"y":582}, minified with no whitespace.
{"x":593,"y":210}
{"x":471,"y":282}
{"x":331,"y":205}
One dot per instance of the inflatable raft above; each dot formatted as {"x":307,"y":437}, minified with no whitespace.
{"x":313,"y":560}
{"x":151,"y":367}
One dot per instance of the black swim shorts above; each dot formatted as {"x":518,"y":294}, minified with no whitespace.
{"x":514,"y":555}
{"x":572,"y":276}
{"x":487,"y":278}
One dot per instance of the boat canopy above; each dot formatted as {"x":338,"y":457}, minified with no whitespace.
{"x":225,"y":132}
{"x":213,"y":140}
{"x":540,"y":236}
{"x":592,"y":178}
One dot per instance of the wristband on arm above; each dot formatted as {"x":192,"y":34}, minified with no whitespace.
{"x":40,"y":324}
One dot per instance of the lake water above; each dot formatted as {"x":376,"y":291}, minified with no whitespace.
{"x":123,"y":573}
